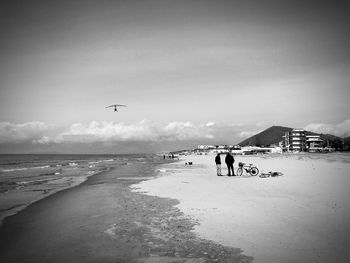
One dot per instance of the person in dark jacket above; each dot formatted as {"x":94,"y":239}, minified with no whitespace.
{"x":229,"y":160}
{"x":218,"y":164}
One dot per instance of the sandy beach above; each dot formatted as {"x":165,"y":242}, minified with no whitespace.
{"x":302,"y":216}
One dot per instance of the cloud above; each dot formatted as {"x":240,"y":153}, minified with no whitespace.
{"x":185,"y":131}
{"x":247,"y":134}
{"x":143,"y":131}
{"x":341,"y":129}
{"x":43,"y":140}
{"x":210,"y":124}
{"x":34,"y":132}
{"x":108,"y":131}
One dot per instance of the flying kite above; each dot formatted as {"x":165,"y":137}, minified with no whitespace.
{"x":115,"y":106}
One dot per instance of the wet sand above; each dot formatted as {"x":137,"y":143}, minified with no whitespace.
{"x":103,"y":221}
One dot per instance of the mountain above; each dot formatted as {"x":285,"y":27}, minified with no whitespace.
{"x":274,"y":135}
{"x":269,"y":136}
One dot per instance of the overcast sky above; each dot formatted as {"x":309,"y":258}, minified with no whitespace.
{"x":189,"y":71}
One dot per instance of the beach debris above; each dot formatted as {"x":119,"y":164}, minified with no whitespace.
{"x":272,"y":174}
{"x":115,"y":106}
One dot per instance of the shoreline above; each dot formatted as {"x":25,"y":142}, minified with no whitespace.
{"x":14,"y":202}
{"x":75,"y":183}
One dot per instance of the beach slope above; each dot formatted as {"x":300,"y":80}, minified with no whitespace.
{"x":301,"y":216}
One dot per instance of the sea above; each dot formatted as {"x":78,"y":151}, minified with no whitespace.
{"x":27,"y":178}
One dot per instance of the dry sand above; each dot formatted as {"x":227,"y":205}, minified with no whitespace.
{"x":302,"y":216}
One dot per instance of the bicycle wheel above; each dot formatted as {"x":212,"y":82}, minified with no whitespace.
{"x":254,"y":171}
{"x":239,"y":171}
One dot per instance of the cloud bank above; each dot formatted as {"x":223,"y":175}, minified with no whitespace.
{"x":143,"y":131}
{"x":33,"y":132}
{"x":342,"y":129}
{"x":143,"y":136}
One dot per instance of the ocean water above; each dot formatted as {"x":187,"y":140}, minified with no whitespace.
{"x":28,"y":178}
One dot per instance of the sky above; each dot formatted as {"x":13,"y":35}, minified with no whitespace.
{"x":190,"y":72}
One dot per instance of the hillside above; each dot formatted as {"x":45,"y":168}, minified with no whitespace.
{"x":347,"y":143}
{"x":269,"y":136}
{"x":332,"y":141}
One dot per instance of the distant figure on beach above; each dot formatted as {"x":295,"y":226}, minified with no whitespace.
{"x":218,"y":164}
{"x":229,"y":160}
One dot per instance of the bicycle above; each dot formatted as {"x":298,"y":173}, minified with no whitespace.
{"x":248,"y":168}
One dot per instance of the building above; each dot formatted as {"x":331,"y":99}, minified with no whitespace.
{"x":206,"y":147}
{"x":313,"y":143}
{"x":295,"y":140}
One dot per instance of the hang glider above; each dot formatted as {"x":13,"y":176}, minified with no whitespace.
{"x":115,"y":106}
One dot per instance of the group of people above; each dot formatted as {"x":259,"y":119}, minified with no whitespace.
{"x":170,"y":156}
{"x":229,"y":160}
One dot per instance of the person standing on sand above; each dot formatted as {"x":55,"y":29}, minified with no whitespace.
{"x":229,"y":160}
{"x":218,"y":164}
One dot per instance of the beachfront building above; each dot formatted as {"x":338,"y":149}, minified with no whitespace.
{"x":205,"y":147}
{"x":314,"y":143}
{"x":295,"y":140}
{"x":259,"y":150}
{"x":236,"y":149}
{"x":222,"y":148}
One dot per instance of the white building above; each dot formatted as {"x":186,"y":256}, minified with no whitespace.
{"x":295,"y":140}
{"x":313,"y":142}
{"x":205,"y":147}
